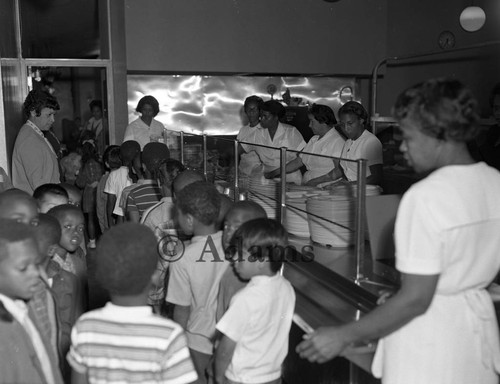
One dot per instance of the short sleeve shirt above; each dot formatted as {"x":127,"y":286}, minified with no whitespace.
{"x":368,"y":147}
{"x":330,"y":144}
{"x":194,"y":282}
{"x":259,"y":320}
{"x":118,"y":179}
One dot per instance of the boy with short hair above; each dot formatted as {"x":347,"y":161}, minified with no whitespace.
{"x":19,"y":206}
{"x":125,"y":341}
{"x":240,"y":213}
{"x":255,"y":327}
{"x":48,"y":196}
{"x":25,"y":356}
{"x":194,"y":279}
{"x":162,"y":211}
{"x":148,"y":193}
{"x":63,"y":285}
{"x":72,"y":225}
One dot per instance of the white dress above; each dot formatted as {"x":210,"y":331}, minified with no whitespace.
{"x":285,"y":136}
{"x":330,"y":144}
{"x":448,"y":224}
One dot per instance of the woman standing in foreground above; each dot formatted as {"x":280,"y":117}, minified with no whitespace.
{"x":440,"y":327}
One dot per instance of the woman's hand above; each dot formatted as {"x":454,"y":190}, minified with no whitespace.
{"x":322,"y":345}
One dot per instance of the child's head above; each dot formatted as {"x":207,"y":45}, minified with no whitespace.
{"x":152,"y":156}
{"x":47,"y":235}
{"x":89,"y":151}
{"x":72,"y":225}
{"x":71,"y":164}
{"x":19,"y":206}
{"x":111,"y":158}
{"x":19,"y":272}
{"x":128,"y":151}
{"x":74,"y":194}
{"x":240,"y":212}
{"x":185,"y":178}
{"x":126,"y":259}
{"x":168,"y":171}
{"x":48,"y":196}
{"x":96,"y":109}
{"x":262,"y":243}
{"x":198,"y":206}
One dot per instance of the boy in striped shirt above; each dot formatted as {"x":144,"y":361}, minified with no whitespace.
{"x":124,"y":342}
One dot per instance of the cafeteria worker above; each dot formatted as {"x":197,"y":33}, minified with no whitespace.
{"x":440,"y":327}
{"x":326,"y":141}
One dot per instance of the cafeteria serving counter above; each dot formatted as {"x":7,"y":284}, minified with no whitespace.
{"x":328,"y":294}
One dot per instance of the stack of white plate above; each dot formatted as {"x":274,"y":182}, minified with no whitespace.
{"x":296,"y":221}
{"x":331,"y":220}
{"x":296,"y":214}
{"x":351,"y":190}
{"x":265,"y":192}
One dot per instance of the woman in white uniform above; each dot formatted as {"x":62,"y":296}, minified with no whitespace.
{"x":248,"y":157}
{"x":360,"y":144}
{"x":440,"y":327}
{"x":326,"y":141}
{"x":276,"y":135}
{"x":146,"y":128}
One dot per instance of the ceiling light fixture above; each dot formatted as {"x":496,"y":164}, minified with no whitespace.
{"x":472,"y":18}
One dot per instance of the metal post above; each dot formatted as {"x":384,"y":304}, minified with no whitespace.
{"x":283,"y":185}
{"x":205,"y":155}
{"x":182,"y":147}
{"x":236,"y":176}
{"x":360,"y":218}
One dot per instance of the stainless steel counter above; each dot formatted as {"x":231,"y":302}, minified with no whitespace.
{"x":328,"y":294}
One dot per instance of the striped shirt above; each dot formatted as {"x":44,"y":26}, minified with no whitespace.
{"x":143,"y":197}
{"x":118,"y":344}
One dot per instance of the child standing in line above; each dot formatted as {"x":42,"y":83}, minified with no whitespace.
{"x":163,"y":211}
{"x":149,"y":192}
{"x":87,"y":180}
{"x":25,"y":355}
{"x":48,"y":196}
{"x":255,"y":327}
{"x":19,"y":206}
{"x":72,"y":225}
{"x":139,"y":180}
{"x":63,"y":286}
{"x":240,"y":213}
{"x":119,"y":179}
{"x":125,"y":341}
{"x":110,"y":161}
{"x":194,"y":279}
